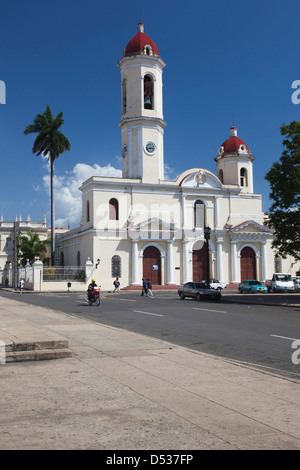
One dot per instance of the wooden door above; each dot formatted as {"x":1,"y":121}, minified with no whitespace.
{"x":248,"y":264}
{"x":152,"y":265}
{"x":200,"y":264}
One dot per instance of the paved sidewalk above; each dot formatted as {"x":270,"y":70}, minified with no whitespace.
{"x":118,"y":390}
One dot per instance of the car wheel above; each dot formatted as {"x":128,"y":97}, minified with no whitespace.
{"x":198,"y":297}
{"x":219,"y":289}
{"x":182,"y":296}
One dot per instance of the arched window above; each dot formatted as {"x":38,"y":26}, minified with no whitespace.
{"x":199,"y":214}
{"x":116,"y":266}
{"x":148,"y":92}
{"x":243,"y":177}
{"x":221,"y":176}
{"x":113,"y":209}
{"x":124,"y":96}
{"x":88,"y":211}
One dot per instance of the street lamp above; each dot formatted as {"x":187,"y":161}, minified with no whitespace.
{"x":207,"y":231}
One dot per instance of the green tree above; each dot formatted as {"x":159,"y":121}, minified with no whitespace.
{"x":50,"y":142}
{"x":30,"y":246}
{"x":284,"y":179}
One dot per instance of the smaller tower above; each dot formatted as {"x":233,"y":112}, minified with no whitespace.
{"x":234,"y":163}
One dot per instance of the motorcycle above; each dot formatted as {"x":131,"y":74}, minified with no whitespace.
{"x":94,"y":297}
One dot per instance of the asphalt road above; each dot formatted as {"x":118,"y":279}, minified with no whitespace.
{"x":257,"y":334}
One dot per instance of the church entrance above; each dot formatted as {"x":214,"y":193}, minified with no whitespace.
{"x":248,"y":263}
{"x":152,"y":265}
{"x":199,"y":264}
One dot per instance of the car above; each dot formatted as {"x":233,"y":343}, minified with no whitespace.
{"x":215,"y":284}
{"x":198,"y":291}
{"x":253,"y":286}
{"x":296,"y":280}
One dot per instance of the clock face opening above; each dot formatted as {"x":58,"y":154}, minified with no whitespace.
{"x":150,"y":148}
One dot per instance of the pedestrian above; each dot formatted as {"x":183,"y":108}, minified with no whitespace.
{"x":117,"y":285}
{"x":144,"y":287}
{"x":149,"y":288}
{"x":21,"y":285}
{"x":6,"y":282}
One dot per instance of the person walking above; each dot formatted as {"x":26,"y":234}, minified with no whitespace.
{"x":149,"y":288}
{"x":21,"y":285}
{"x":117,"y":285}
{"x":144,"y":287}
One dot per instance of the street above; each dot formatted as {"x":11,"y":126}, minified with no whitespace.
{"x":261,"y":335}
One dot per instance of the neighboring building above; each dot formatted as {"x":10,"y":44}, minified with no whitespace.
{"x":142,"y":225}
{"x":8,"y":232}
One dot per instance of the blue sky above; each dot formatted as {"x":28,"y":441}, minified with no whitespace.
{"x":227,"y":61}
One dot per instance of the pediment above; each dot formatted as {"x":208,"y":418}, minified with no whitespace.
{"x":250,"y":226}
{"x":143,"y":225}
{"x":199,"y":178}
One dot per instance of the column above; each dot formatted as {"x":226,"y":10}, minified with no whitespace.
{"x":37,"y":275}
{"x":233,"y":262}
{"x":220,"y":259}
{"x":134,"y":263}
{"x":170,"y":279}
{"x":264,"y":261}
{"x":182,"y":213}
{"x":216,"y":213}
{"x":185,"y":262}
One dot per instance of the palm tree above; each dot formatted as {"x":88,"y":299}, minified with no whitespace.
{"x":51,"y":143}
{"x":30,"y":246}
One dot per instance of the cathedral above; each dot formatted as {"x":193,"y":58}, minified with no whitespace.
{"x":143,"y":226}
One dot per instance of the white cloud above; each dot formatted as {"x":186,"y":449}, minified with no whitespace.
{"x":68,"y":206}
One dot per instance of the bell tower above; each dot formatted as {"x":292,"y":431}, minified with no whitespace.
{"x":142,"y":124}
{"x":234,"y":163}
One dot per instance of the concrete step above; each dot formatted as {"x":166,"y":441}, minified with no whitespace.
{"x":37,"y":350}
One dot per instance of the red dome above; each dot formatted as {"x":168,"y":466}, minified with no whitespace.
{"x":137,"y":44}
{"x":233,"y":143}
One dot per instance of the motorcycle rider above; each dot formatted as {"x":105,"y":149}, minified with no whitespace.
{"x":90,"y":289}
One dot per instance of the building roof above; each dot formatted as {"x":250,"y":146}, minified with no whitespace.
{"x":233,"y":143}
{"x":138,"y":43}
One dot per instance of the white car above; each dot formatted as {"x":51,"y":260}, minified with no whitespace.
{"x":215,"y":284}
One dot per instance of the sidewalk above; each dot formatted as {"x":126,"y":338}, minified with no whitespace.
{"x":118,"y":390}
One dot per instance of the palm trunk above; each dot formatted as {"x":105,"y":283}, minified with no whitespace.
{"x":52,"y":217}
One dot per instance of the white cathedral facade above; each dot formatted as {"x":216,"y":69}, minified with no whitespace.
{"x":142,"y":225}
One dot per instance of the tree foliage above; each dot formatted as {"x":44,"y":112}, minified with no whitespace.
{"x":50,"y":142}
{"x":284,"y":179}
{"x":30,"y":246}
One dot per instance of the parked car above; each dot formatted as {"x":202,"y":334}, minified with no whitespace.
{"x":215,"y":284}
{"x":252,"y":286}
{"x":296,"y":280}
{"x":280,"y":282}
{"x":198,"y":291}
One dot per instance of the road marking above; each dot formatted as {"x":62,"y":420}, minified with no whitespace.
{"x":128,"y":300}
{"x":208,"y":310}
{"x":148,"y":313}
{"x":285,"y":337}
